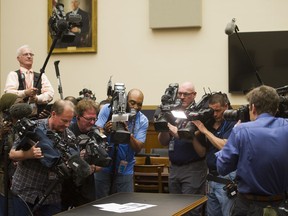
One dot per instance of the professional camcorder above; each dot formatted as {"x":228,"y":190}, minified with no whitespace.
{"x":60,"y":154}
{"x":70,"y":164}
{"x":283,"y":104}
{"x":119,"y":114}
{"x":96,"y":147}
{"x":199,"y":111}
{"x":60,"y":24}
{"x":242,"y":113}
{"x":26,"y":129}
{"x":86,"y":93}
{"x":169,"y":102}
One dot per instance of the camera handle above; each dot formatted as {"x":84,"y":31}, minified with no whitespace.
{"x":56,"y":63}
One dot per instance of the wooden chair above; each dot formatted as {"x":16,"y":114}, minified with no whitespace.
{"x":163,"y":152}
{"x":160,"y":160}
{"x":140,"y":160}
{"x":148,"y":178}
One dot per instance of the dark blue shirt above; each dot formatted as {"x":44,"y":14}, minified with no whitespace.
{"x":222,"y":132}
{"x":183,"y":153}
{"x":259,"y":151}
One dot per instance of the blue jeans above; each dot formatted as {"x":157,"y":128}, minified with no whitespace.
{"x":218,"y":203}
{"x":121,"y":183}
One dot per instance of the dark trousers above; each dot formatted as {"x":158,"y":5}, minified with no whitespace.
{"x":245,"y":207}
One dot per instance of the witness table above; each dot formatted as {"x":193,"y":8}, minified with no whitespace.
{"x":165,"y":204}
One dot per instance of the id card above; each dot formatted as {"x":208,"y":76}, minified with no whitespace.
{"x":122,"y":166}
{"x":171,"y":145}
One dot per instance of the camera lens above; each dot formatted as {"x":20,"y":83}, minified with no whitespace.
{"x":230,"y":115}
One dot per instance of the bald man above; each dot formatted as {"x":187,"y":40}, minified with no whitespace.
{"x":119,"y":176}
{"x":188,"y":168}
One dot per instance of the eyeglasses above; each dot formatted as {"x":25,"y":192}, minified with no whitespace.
{"x":185,"y":94}
{"x":27,"y":54}
{"x":90,"y":119}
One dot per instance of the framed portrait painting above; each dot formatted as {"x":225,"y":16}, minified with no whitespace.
{"x":72,"y":26}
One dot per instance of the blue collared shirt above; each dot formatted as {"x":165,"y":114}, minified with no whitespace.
{"x":259,"y":151}
{"x":125,"y":152}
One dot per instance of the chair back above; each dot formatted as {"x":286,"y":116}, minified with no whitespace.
{"x":160,"y":160}
{"x":163,"y":152}
{"x":140,"y":160}
{"x":148,"y":178}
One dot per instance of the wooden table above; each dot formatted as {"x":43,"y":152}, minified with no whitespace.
{"x":166,"y":204}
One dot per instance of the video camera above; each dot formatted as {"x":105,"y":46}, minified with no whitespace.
{"x":119,"y":114}
{"x":199,"y":111}
{"x":26,"y":129}
{"x":60,"y":154}
{"x":242,"y":113}
{"x":70,"y":164}
{"x":96,"y":148}
{"x":60,"y":24}
{"x":86,"y":93}
{"x":169,"y":102}
{"x":283,"y":104}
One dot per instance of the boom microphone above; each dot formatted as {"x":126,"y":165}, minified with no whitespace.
{"x":20,"y":110}
{"x":231,"y":26}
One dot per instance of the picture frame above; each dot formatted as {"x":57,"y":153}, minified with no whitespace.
{"x":85,"y":31}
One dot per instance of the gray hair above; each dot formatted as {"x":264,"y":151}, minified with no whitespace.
{"x":19,"y":50}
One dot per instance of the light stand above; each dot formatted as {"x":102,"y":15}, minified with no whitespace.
{"x":252,"y":63}
{"x":229,"y":30}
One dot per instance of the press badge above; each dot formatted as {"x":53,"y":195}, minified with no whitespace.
{"x":171,"y":145}
{"x":122,"y":166}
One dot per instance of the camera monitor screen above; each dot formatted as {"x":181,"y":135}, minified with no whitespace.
{"x":268,"y":51}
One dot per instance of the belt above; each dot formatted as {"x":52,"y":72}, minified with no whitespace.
{"x":187,"y":162}
{"x":262,"y":198}
{"x":217,"y":179}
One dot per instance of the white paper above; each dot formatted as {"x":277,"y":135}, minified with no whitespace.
{"x":123,"y":208}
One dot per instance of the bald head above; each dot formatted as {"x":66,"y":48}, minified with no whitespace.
{"x":135,"y":99}
{"x":187,"y":94}
{"x":187,"y":86}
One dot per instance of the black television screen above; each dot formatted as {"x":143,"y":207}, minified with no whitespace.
{"x":268,"y":52}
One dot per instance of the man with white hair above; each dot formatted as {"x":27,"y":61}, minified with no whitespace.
{"x":22,"y":82}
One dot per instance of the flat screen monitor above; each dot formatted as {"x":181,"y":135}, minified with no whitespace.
{"x":268,"y":52}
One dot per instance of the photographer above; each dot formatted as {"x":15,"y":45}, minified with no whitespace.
{"x":6,"y":141}
{"x":188,"y":168}
{"x":258,"y":150}
{"x":119,"y":176}
{"x":22,"y":82}
{"x":32,"y":178}
{"x":72,"y":195}
{"x":213,"y":138}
